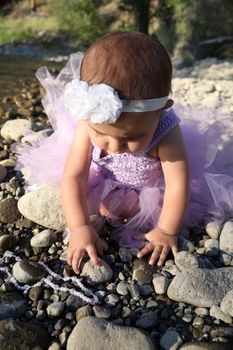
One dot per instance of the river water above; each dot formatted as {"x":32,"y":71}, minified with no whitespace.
{"x":13,"y":70}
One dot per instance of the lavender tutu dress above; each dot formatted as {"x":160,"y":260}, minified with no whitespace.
{"x":127,"y":178}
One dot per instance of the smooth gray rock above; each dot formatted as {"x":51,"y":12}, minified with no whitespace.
{"x":186,"y":261}
{"x":27,"y":272}
{"x":111,"y":300}
{"x":227,"y":303}
{"x":44,"y":207}
{"x":122,"y":288}
{"x":142,"y":271}
{"x":211,"y":243}
{"x":201,"y":287}
{"x":43,"y":239}
{"x":170,"y":340}
{"x":102,"y":312}
{"x":216,"y":312}
{"x":56,"y":309}
{"x":94,"y":333}
{"x":55,"y":346}
{"x":226,"y":237}
{"x":9,"y":212}
{"x":125,"y":254}
{"x":213,"y":229}
{"x":84,"y":311}
{"x":147,"y":320}
{"x":7,"y":242}
{"x":16,"y":335}
{"x":12,"y":305}
{"x":201,"y":311}
{"x":161,"y":284}
{"x":95,"y":274}
{"x":14,"y":129}
{"x":206,"y":346}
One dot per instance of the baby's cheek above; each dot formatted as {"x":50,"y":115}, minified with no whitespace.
{"x":101,"y":143}
{"x":137,"y":147}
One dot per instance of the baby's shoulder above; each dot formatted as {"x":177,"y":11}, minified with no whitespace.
{"x":169,"y":139}
{"x":172,"y":142}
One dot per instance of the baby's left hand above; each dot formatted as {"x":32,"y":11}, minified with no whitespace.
{"x":159,"y":244}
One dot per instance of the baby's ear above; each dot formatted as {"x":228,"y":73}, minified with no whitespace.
{"x":169,"y":104}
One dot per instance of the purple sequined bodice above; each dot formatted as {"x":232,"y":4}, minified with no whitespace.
{"x":135,"y":169}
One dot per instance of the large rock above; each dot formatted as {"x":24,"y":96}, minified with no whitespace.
{"x":43,"y":239}
{"x":44,"y":207}
{"x":216,"y":312}
{"x":213,"y":229}
{"x":94,"y":333}
{"x":14,"y":129}
{"x":17,"y":335}
{"x":12,"y":305}
{"x":95,"y":274}
{"x":186,"y":261}
{"x":8,"y":210}
{"x":227,"y":303}
{"x":170,"y":340}
{"x":226,"y":237}
{"x":7,"y":242}
{"x":27,"y":272}
{"x":206,"y":346}
{"x":201,"y":287}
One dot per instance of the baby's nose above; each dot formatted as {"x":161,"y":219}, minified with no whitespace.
{"x":117,"y":146}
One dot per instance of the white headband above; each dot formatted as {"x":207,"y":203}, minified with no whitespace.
{"x":100,"y":103}
{"x":148,"y":105}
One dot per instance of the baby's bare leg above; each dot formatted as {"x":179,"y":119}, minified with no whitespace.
{"x":115,"y":207}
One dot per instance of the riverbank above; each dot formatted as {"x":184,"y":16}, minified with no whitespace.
{"x":139,"y":306}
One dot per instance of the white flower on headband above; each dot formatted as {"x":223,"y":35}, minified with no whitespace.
{"x":98,"y":103}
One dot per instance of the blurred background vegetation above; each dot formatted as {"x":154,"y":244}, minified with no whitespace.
{"x":188,"y":29}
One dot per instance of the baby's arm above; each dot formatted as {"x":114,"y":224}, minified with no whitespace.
{"x":174,"y":162}
{"x":74,"y":200}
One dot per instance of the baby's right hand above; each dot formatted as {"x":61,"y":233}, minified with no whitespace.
{"x":84,"y":238}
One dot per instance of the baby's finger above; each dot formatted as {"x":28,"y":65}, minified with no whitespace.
{"x":163,"y":256}
{"x":155,"y":254}
{"x":76,"y":260}
{"x":92,"y":254}
{"x":147,"y":249}
{"x":174,"y":250}
{"x":69,"y":256}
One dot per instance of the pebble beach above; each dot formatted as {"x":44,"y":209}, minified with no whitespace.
{"x":186,"y":304}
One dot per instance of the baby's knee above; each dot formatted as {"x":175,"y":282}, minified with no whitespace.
{"x":115,"y":207}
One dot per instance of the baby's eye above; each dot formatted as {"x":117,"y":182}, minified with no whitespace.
{"x":98,"y":134}
{"x":135,"y":138}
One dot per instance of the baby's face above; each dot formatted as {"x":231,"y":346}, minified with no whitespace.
{"x":131,"y":133}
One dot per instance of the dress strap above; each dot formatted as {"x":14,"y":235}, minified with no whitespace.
{"x":167,"y":122}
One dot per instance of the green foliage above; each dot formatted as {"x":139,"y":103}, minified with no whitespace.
{"x":197,"y":20}
{"x":80,"y":18}
{"x":14,"y":30}
{"x":166,"y":34}
{"x":141,"y":11}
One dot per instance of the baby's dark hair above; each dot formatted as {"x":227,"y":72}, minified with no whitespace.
{"x":136,"y":65}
